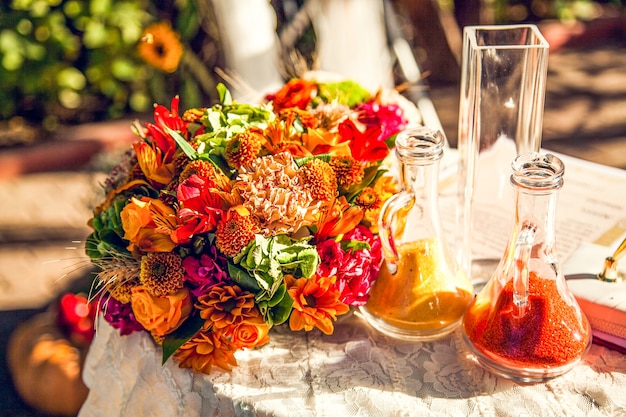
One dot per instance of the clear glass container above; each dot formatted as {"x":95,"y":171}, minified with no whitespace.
{"x":503,"y":81}
{"x":420,"y":292}
{"x":525,"y":324}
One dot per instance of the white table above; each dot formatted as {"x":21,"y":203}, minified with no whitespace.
{"x":354,"y":372}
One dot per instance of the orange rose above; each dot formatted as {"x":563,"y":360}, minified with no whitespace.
{"x":135,"y":216}
{"x":251,"y":333}
{"x":161,"y":315}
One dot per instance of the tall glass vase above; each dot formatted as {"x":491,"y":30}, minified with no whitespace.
{"x":503,"y":81}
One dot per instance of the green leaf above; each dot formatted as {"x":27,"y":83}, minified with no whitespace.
{"x":309,"y":261}
{"x":354,"y":245}
{"x":280,"y":313}
{"x":224,"y":94}
{"x":346,"y":92}
{"x":242,"y":277}
{"x":180,"y":336}
{"x":184,"y":145}
{"x":278,"y":296}
{"x":303,"y":160}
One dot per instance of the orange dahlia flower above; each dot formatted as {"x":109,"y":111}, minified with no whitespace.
{"x":162,"y":273}
{"x":225,"y":306}
{"x":244,"y":147}
{"x":205,"y":350}
{"x":316,"y":303}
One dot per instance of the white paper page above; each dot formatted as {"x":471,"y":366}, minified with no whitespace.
{"x":591,"y":208}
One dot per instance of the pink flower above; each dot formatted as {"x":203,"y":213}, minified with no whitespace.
{"x":356,"y":269}
{"x":206,"y":272}
{"x":388,"y":117}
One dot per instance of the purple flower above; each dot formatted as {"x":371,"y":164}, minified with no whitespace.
{"x":206,"y":272}
{"x":119,"y":315}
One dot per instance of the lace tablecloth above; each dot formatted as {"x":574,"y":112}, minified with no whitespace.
{"x":354,"y":372}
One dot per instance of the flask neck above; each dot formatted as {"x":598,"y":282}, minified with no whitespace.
{"x":536,"y":179}
{"x":419,"y":151}
{"x":420,"y":179}
{"x":536,"y":211}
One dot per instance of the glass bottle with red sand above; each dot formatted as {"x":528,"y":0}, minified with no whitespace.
{"x":525,"y":324}
{"x":421,"y":292}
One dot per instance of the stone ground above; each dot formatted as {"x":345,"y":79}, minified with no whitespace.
{"x":47,"y":191}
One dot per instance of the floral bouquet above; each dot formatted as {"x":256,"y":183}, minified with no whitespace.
{"x":223,"y":222}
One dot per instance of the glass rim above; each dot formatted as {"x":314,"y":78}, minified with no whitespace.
{"x":470,"y":33}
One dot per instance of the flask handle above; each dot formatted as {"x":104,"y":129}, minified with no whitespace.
{"x":388,"y":228}
{"x":521,"y":258}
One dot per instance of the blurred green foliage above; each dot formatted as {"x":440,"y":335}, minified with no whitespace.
{"x":514,"y":11}
{"x":72,"y":61}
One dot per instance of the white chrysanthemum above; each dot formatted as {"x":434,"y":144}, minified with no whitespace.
{"x":274,"y":192}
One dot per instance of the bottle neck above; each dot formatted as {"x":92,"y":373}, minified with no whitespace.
{"x":537,"y":178}
{"x":537,"y":210}
{"x":420,"y":179}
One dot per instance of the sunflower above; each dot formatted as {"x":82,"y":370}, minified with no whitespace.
{"x":160,"y":47}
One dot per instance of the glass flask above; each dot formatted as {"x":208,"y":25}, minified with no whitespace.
{"x":525,"y":324}
{"x":503,"y":81}
{"x":420,"y":292}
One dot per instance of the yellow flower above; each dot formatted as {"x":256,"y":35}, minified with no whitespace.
{"x":161,"y":315}
{"x":347,"y":169}
{"x":194,"y":115}
{"x":162,"y":273}
{"x":244,"y":148}
{"x":198,"y":167}
{"x":385,"y":187}
{"x":161,"y":47}
{"x":368,"y":199}
{"x":122,"y":291}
